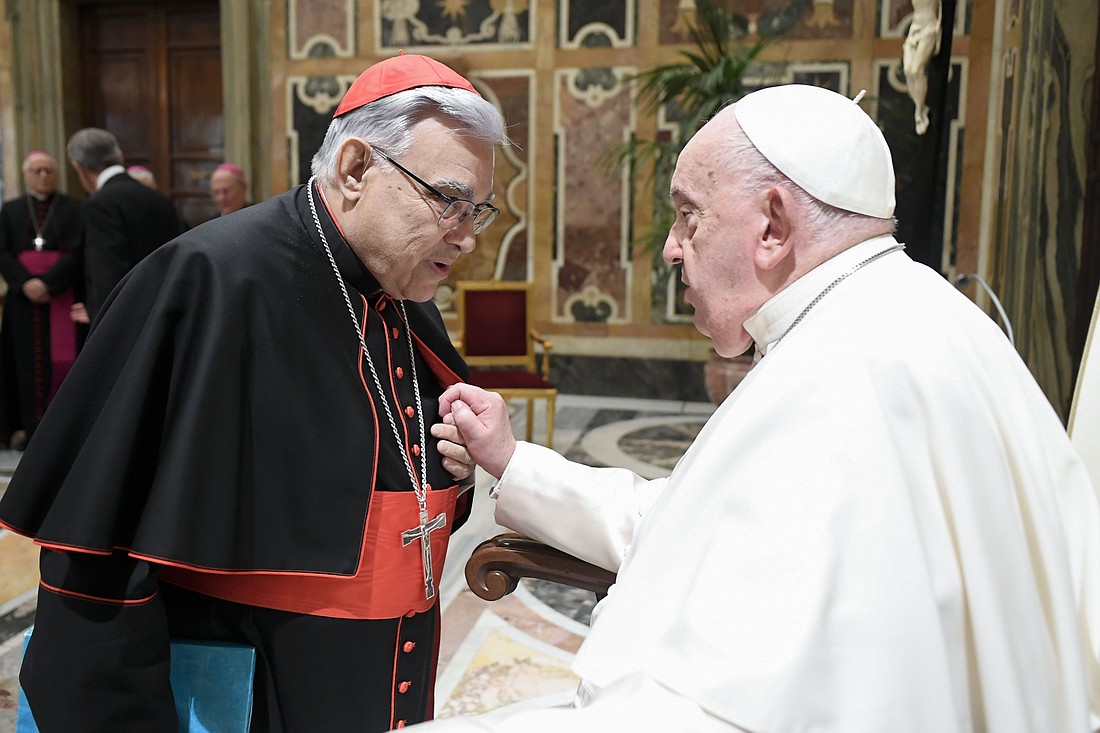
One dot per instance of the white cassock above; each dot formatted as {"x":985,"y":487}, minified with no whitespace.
{"x":883,"y":528}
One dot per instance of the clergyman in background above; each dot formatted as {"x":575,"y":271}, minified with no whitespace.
{"x":229,"y":188}
{"x":123,"y":220}
{"x":40,"y":241}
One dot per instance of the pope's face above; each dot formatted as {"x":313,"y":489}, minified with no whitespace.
{"x":394,"y":227}
{"x":228,"y":192}
{"x":40,"y":174}
{"x":714,"y":240}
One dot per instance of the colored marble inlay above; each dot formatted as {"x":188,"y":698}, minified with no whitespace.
{"x":503,"y":250}
{"x":592,"y":266}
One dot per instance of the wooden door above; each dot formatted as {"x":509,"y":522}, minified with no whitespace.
{"x":151,"y":74}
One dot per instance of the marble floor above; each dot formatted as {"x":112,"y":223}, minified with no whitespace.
{"x":515,"y":651}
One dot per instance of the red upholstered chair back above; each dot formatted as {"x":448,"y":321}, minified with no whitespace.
{"x":493,"y":318}
{"x":498,"y":342}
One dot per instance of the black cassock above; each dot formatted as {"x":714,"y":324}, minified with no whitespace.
{"x":29,"y":347}
{"x":217,"y":419}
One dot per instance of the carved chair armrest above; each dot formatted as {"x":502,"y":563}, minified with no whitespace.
{"x":497,"y":565}
{"x":547,"y":346}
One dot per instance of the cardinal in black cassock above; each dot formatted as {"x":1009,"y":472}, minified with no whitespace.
{"x":243,"y":450}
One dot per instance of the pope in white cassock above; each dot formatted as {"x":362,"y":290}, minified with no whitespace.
{"x":883,"y":529}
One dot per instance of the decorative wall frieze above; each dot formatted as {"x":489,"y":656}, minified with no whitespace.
{"x":470,"y":24}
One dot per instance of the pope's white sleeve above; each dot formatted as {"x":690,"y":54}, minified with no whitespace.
{"x":588,"y":512}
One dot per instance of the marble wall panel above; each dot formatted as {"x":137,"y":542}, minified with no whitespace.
{"x":504,"y":250}
{"x":789,"y":19}
{"x":481,"y":24}
{"x":585,"y":24}
{"x":320,"y":28}
{"x":310,"y":102}
{"x":592,"y":267}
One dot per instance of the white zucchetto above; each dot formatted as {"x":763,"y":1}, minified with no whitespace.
{"x":825,"y":143}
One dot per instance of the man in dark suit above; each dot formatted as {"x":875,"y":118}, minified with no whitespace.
{"x":123,"y":220}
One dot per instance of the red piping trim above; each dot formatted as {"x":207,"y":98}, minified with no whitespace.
{"x":52,"y":545}
{"x":443,"y":373}
{"x":97,"y":599}
{"x":72,"y":548}
{"x":324,"y":202}
{"x":397,"y":401}
{"x":393,"y":680}
{"x":220,"y":571}
{"x":374,"y":416}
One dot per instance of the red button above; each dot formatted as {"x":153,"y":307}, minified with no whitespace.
{"x":427,"y":487}
{"x":400,"y":724}
{"x":399,"y":372}
{"x":410,"y":411}
{"x":404,"y":687}
{"x":381,"y":305}
{"x":408,"y":646}
{"x":416,"y":449}
{"x":395,"y":332}
{"x":410,"y":614}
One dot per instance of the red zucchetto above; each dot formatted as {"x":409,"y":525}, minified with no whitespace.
{"x":397,"y":74}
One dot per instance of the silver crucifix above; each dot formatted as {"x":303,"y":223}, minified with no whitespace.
{"x":422,"y":533}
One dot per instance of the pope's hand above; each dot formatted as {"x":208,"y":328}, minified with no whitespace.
{"x":481,"y":418}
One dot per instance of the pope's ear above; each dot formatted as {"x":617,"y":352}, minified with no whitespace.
{"x":774,"y":244}
{"x":352,"y":162}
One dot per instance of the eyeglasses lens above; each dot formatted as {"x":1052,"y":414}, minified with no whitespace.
{"x":458,"y":212}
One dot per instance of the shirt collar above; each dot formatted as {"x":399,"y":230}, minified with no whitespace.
{"x":771,"y":320}
{"x":106,"y":174}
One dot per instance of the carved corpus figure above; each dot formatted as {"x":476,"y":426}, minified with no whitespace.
{"x":921,"y":43}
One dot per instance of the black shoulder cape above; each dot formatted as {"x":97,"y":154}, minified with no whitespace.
{"x":216,"y":417}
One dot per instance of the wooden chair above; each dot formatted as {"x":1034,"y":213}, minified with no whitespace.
{"x":498,"y":342}
{"x":498,"y":564}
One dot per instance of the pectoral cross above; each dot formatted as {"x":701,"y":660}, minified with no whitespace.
{"x":423,"y":533}
{"x":39,"y":243}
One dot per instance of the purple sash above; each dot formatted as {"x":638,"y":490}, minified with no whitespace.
{"x":62,"y":328}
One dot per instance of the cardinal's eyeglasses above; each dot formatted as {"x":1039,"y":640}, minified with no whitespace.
{"x":457,"y":210}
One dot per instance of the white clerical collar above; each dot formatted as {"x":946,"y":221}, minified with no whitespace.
{"x":107,"y":174}
{"x":771,"y":320}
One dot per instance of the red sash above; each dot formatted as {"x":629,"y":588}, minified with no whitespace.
{"x":388,"y":584}
{"x":62,"y":328}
